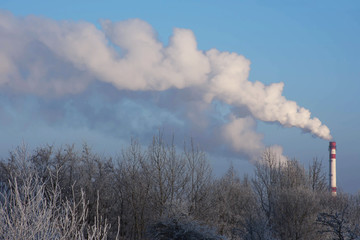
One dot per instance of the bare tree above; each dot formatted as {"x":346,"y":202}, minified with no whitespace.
{"x":340,"y":218}
{"x":294,"y":214}
{"x":157,"y":161}
{"x":316,"y":176}
{"x":287,"y":195}
{"x":166,"y":171}
{"x":134,"y":188}
{"x":200,"y":179}
{"x":231,"y":200}
{"x":266,"y":181}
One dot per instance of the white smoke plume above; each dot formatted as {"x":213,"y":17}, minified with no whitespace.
{"x":50,"y":58}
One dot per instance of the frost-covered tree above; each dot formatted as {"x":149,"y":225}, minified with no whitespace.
{"x":30,"y":210}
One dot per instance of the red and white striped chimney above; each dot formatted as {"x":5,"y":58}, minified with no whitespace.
{"x":332,"y":177}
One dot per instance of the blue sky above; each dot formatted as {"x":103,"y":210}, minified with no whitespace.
{"x":312,"y":47}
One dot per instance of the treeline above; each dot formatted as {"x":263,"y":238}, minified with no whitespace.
{"x":161,"y":193}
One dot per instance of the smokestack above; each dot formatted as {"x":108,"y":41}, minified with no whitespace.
{"x":332,"y":177}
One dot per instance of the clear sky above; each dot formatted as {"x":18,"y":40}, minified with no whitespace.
{"x":65,"y":77}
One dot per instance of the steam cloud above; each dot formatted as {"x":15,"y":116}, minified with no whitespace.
{"x":50,"y":58}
